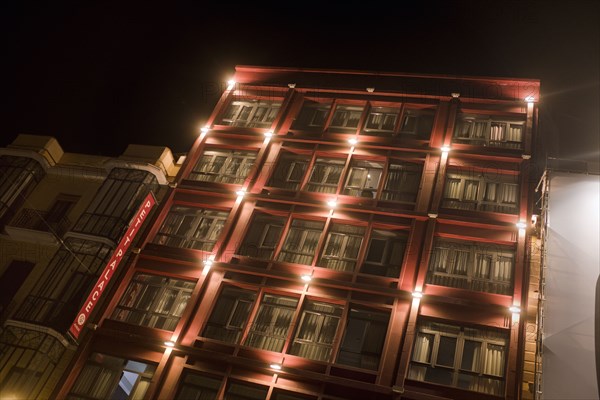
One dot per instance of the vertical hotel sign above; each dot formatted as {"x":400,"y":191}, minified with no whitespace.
{"x":109,"y":270}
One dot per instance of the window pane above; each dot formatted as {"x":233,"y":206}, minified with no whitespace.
{"x":272,"y":323}
{"x":230,"y":315}
{"x":316,"y":332}
{"x":471,"y":356}
{"x":301,"y":242}
{"x":446,"y":351}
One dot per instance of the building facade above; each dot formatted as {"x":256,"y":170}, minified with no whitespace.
{"x":62,"y":215}
{"x":333,"y":235}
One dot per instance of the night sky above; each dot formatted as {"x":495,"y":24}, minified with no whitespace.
{"x":99,"y":76}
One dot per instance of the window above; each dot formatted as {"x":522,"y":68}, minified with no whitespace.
{"x":154,"y":301}
{"x":115,"y":203}
{"x":263,"y":235}
{"x":402,"y":183}
{"x":363,"y":179}
{"x":301,"y":242}
{"x":346,"y":116}
{"x":466,"y":191}
{"x":316,"y":331}
{"x":245,"y":391}
{"x":284,"y":395}
{"x":230,"y":315}
{"x":223,"y":166}
{"x":251,"y":114}
{"x":473,"y":266}
{"x":11,"y":280}
{"x":363,"y":339}
{"x":381,"y":120}
{"x":64,"y":286}
{"x":191,"y":228}
{"x":325,"y":175}
{"x":289,"y":171}
{"x":385,"y":253}
{"x":198,"y":387}
{"x":18,"y":176}
{"x":272,"y":323}
{"x":483,"y":130}
{"x":472,"y":359}
{"x":417,"y":122}
{"x":313,"y":115}
{"x":342,"y":247}
{"x":107,"y":377}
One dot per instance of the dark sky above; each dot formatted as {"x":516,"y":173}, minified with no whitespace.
{"x":99,"y":76}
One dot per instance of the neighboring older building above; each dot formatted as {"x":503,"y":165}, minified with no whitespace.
{"x":61,"y":215}
{"x":333,"y":235}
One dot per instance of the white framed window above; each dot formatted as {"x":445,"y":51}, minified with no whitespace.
{"x":474,"y":266}
{"x":289,"y":171}
{"x":364,"y":338}
{"x":263,"y":236}
{"x":301,"y":242}
{"x":230,"y":315}
{"x":251,"y":113}
{"x":493,"y":131}
{"x":272,"y":323}
{"x":342,"y":247}
{"x":417,"y":122}
{"x":466,"y":358}
{"x":312,"y":116}
{"x":223,"y":166}
{"x":108,"y":377}
{"x":478,"y":192}
{"x":363,"y":179}
{"x":316,"y":331}
{"x":325,"y":175}
{"x":154,"y":301}
{"x":381,"y":120}
{"x":402,"y":183}
{"x":346,"y":117}
{"x":385,"y":253}
{"x":191,"y":228}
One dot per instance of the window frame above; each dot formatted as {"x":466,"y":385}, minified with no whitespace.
{"x":264,"y":121}
{"x":487,"y":139}
{"x":247,"y":157}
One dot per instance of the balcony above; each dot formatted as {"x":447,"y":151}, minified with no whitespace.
{"x":38,"y":226}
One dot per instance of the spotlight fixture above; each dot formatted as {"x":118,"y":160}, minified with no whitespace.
{"x":275,"y":366}
{"x":170,"y":343}
{"x":445,"y":149}
{"x":417,"y":295}
{"x":353,"y":141}
{"x":332,"y":203}
{"x":241,"y":193}
{"x":514,"y":309}
{"x":530,"y":99}
{"x":521,"y":225}
{"x":230,"y":84}
{"x":268,"y":134}
{"x":306,"y":278}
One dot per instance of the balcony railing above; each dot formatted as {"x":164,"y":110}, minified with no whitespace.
{"x":39,"y":220}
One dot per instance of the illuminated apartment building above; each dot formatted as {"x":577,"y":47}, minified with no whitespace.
{"x":61,"y":216}
{"x":332,"y":235}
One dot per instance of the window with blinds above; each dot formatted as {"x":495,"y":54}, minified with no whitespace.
{"x":363,"y":340}
{"x":289,"y":171}
{"x":466,"y":358}
{"x":191,"y":228}
{"x":493,"y":131}
{"x":223,"y":166}
{"x":198,"y":387}
{"x":263,"y":236}
{"x":107,"y":377}
{"x":301,"y":242}
{"x":245,"y":391}
{"x":363,"y":179}
{"x":251,"y":113}
{"x":473,"y":266}
{"x":316,"y":331}
{"x":325,"y":175}
{"x":154,"y":301}
{"x":341,"y":247}
{"x":230,"y":315}
{"x":385,"y":253}
{"x":418,"y":123}
{"x":346,"y":117}
{"x":478,"y":192}
{"x":312,"y":116}
{"x":402,"y":183}
{"x":270,"y":328}
{"x":381,"y":120}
